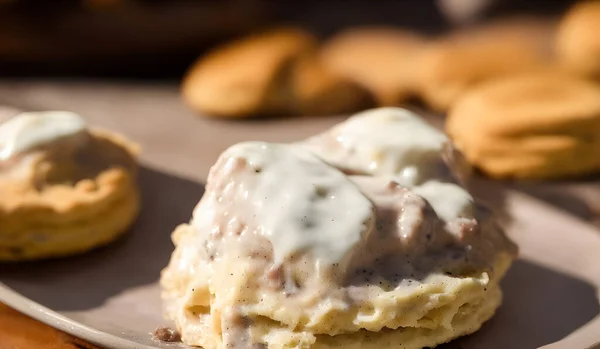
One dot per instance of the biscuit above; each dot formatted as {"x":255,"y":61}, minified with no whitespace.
{"x":258,"y":75}
{"x":54,"y":204}
{"x":439,"y":309}
{"x":381,"y":59}
{"x":243,"y":78}
{"x":452,"y":65}
{"x":577,"y":41}
{"x":316,"y":90}
{"x":358,"y":238}
{"x":534,"y":126}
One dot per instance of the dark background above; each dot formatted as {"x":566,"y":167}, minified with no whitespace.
{"x":161,"y":38}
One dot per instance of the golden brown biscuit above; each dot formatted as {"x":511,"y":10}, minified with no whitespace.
{"x":66,"y":196}
{"x":577,"y":40}
{"x":381,"y":59}
{"x":452,"y":65}
{"x":263,"y":75}
{"x":316,"y":90}
{"x":534,"y":126}
{"x":244,"y":78}
{"x":337,"y":261}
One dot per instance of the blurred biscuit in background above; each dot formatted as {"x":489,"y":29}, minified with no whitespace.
{"x":453,"y":64}
{"x":542,"y":125}
{"x":243,"y":78}
{"x":380,"y":58}
{"x":578,"y":39}
{"x":271,"y":73}
{"x":316,"y":90}
{"x":64,"y":188}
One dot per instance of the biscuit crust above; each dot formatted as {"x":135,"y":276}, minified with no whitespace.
{"x":380,"y":58}
{"x":535,"y":126}
{"x":577,"y":43}
{"x":61,"y":216}
{"x":436,"y":310}
{"x":451,"y":66}
{"x":242,"y":78}
{"x":272,"y":73}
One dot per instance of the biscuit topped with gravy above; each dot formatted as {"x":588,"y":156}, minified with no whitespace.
{"x":297,"y":246}
{"x":535,"y":126}
{"x":64,"y":188}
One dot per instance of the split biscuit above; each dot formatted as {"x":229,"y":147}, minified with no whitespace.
{"x":359,"y":237}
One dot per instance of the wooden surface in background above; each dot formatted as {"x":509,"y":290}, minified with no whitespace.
{"x":580,"y":198}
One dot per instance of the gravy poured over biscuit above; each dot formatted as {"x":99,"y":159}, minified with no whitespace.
{"x":359,"y":237}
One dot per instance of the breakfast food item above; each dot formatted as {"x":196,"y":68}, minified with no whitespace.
{"x":449,"y":67}
{"x":64,"y":188}
{"x":265,"y":74}
{"x":316,"y":90}
{"x":292,"y":246}
{"x":243,"y":78}
{"x":535,"y":126}
{"x":577,"y":41}
{"x":381,"y":59}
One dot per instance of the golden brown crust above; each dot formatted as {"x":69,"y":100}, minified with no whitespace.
{"x":241,"y":78}
{"x":271,"y":73}
{"x":577,"y":41}
{"x":451,"y":66}
{"x":380,"y":58}
{"x":317,"y":91}
{"x":538,"y":125}
{"x":59,"y":219}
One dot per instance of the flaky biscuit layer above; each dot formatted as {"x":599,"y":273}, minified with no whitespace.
{"x":468,"y":319}
{"x":422,"y":313}
{"x":63,"y":219}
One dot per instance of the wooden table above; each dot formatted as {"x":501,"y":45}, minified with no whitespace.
{"x":21,"y":332}
{"x":18,"y":331}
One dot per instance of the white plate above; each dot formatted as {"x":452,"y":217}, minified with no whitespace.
{"x":110,"y":296}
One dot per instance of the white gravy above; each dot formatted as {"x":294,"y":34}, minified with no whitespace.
{"x":30,"y":130}
{"x":395,"y":142}
{"x":301,"y":203}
